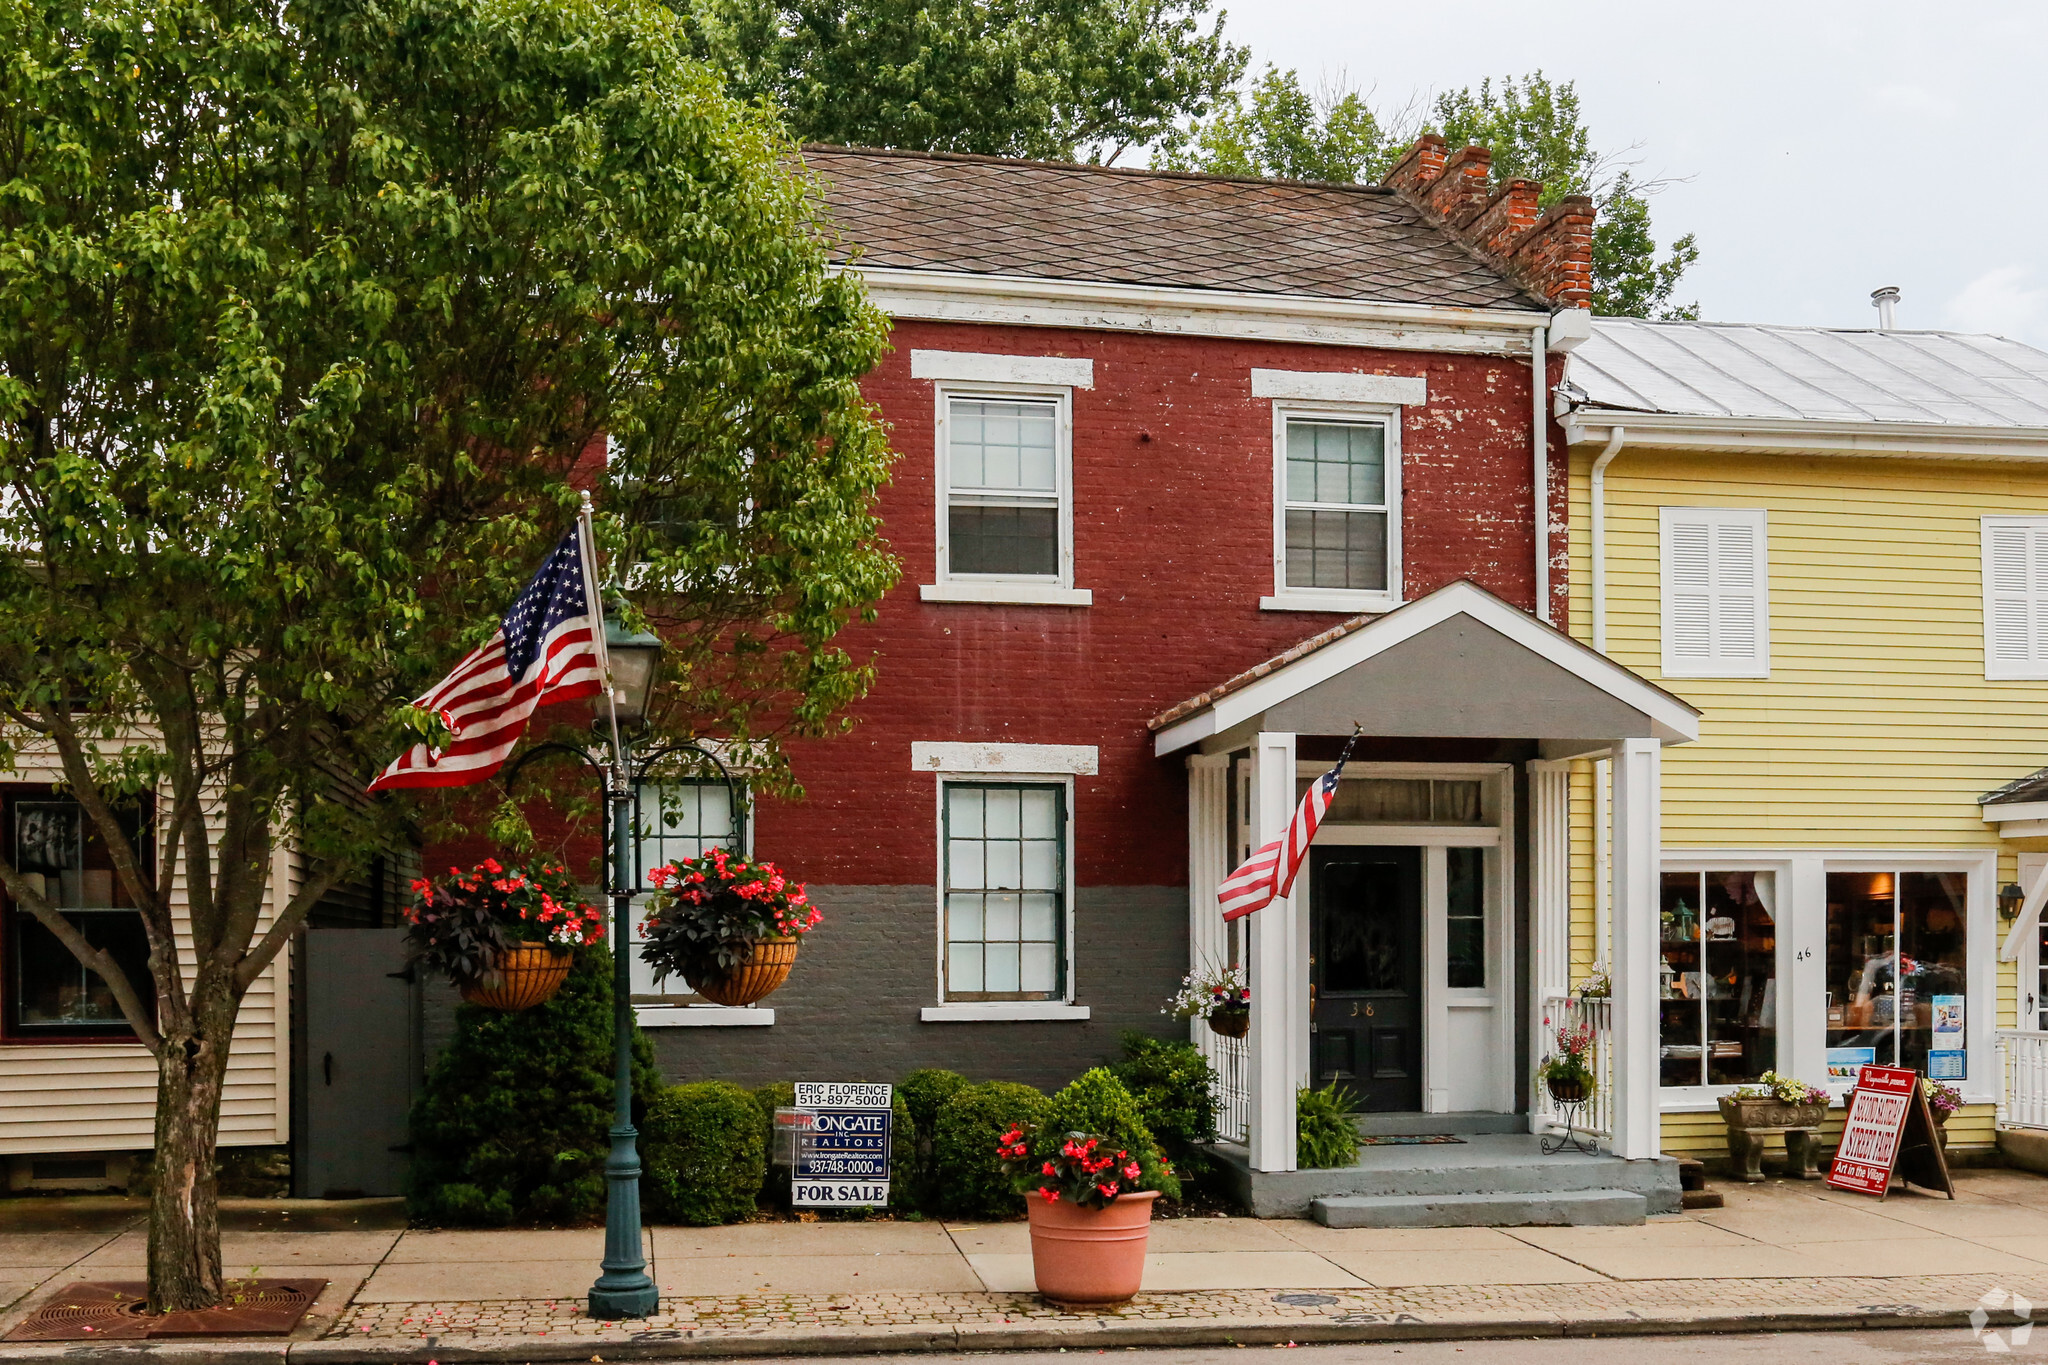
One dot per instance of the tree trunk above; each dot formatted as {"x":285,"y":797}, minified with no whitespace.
{"x":184,"y":1222}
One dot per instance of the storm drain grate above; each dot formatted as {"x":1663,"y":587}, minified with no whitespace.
{"x":101,"y":1310}
{"x":1305,"y":1300}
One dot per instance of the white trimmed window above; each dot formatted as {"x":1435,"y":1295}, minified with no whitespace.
{"x":674,"y":820}
{"x":2015,"y":597}
{"x":1716,"y":603}
{"x":1004,"y":900}
{"x":1004,"y":466}
{"x":1337,"y":497}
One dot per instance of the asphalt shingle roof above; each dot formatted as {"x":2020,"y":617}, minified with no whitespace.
{"x":1717,"y":369}
{"x":993,"y":216}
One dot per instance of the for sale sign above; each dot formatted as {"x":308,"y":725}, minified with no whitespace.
{"x":842,"y":1154}
{"x":1870,"y":1136}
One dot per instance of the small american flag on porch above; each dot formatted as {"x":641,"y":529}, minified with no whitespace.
{"x":1270,"y":872}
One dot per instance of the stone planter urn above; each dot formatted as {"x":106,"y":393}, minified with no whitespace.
{"x":1751,"y":1121}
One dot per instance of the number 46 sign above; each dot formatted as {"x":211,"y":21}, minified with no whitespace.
{"x":1889,"y":1128}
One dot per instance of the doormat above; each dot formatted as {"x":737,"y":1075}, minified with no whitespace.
{"x":1407,"y":1139}
{"x":103,"y":1310}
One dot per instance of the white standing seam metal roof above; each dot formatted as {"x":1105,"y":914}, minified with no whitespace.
{"x":1726,"y":369}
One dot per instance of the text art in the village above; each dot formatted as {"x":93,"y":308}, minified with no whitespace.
{"x":840,"y":1133}
{"x":1889,"y":1128}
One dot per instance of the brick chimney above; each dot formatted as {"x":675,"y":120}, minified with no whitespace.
{"x":1551,"y":254}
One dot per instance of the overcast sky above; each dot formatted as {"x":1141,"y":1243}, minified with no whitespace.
{"x":1826,"y":148}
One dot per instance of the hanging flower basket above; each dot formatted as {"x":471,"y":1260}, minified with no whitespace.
{"x":1231,"y":1023}
{"x":503,"y":936}
{"x":726,"y":924}
{"x":526,"y":974}
{"x":765,"y":969}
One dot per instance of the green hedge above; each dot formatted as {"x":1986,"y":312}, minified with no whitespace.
{"x":704,"y":1150}
{"x":1098,"y":1103}
{"x":512,"y":1125}
{"x":1174,"y":1086}
{"x":968,"y":1175}
{"x":923,"y":1094}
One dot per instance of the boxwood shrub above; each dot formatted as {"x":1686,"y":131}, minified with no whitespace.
{"x":968,"y":1176}
{"x":704,"y":1151}
{"x":922,"y":1094}
{"x":1098,"y":1103}
{"x":1174,"y":1085}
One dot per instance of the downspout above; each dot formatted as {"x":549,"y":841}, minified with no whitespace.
{"x":1602,"y":910}
{"x":1615,"y":436}
{"x":1539,"y":405}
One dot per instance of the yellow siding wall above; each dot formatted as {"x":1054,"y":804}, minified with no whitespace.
{"x":1876,"y":728}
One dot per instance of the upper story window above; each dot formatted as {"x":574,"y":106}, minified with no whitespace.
{"x":2015,"y":597}
{"x":1716,"y":604}
{"x":48,"y":993}
{"x":1004,"y":468}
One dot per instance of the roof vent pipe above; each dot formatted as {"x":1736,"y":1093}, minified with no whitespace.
{"x":1885,"y":300}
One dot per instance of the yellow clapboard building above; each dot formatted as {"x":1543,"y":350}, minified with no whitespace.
{"x":1835,"y":545}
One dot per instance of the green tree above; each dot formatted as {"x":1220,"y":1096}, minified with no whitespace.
{"x":1038,"y":78}
{"x":1534,"y":127}
{"x":1276,"y":129}
{"x":308,"y":312}
{"x":1535,"y":131}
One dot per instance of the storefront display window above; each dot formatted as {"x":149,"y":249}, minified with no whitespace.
{"x":1718,"y":987}
{"x":1897,"y":974}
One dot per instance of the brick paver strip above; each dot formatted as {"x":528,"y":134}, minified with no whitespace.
{"x":755,"y":1324}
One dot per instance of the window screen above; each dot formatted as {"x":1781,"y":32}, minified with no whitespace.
{"x":1005,"y":892}
{"x":1336,"y":515}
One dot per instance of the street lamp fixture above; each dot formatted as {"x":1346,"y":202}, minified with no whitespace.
{"x":633,"y":658}
{"x":624,"y":1290}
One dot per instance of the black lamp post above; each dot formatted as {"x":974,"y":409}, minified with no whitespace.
{"x":624,"y":1290}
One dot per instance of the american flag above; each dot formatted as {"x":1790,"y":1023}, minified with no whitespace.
{"x":1270,"y":872}
{"x":549,"y":647}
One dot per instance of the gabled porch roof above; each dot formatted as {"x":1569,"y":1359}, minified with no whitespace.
{"x":1457,"y":663}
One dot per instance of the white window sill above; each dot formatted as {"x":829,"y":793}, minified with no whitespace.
{"x":1747,"y":671}
{"x":1009,"y":594}
{"x":702,"y":1016}
{"x":1349,"y":603}
{"x":1003,"y":1012}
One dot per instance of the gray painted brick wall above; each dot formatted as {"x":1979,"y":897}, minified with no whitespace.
{"x":849,"y":1010}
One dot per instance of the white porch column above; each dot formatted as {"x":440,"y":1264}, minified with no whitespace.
{"x":1208,"y":854}
{"x":1279,"y":971}
{"x":1636,"y":842}
{"x":1550,"y":891}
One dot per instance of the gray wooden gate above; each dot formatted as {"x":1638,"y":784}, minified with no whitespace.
{"x":361,"y":1064}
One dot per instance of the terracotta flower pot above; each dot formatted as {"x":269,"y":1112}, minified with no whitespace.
{"x":1090,"y":1258}
{"x":526,"y":975}
{"x":763,"y":971}
{"x":1231,"y":1023}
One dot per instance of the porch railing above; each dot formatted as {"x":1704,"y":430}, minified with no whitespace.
{"x":1232,"y":1057}
{"x":1563,"y":1011}
{"x":2023,"y":1078}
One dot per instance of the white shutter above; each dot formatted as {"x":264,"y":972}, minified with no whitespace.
{"x":1716,"y":600}
{"x":2016,"y":597}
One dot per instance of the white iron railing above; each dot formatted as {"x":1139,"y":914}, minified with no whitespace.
{"x":1563,"y":1011}
{"x":1233,"y":1089}
{"x":2023,"y":1078}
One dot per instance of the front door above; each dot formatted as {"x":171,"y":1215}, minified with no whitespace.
{"x":1366,"y":970}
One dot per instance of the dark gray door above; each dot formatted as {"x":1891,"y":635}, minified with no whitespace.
{"x":360,"y":1059}
{"x":1366,"y":934}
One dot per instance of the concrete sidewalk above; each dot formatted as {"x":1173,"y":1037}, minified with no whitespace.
{"x":1780,"y":1253}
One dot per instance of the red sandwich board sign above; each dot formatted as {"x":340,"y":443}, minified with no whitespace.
{"x":1889,"y":1128}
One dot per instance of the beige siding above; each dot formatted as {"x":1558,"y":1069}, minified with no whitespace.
{"x":1876,"y":728}
{"x":78,"y":1097}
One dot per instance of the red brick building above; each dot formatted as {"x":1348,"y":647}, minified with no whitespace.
{"x":1171,"y":446}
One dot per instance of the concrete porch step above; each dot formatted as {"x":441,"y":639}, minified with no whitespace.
{"x":1572,"y":1208}
{"x":1460,"y":1124}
